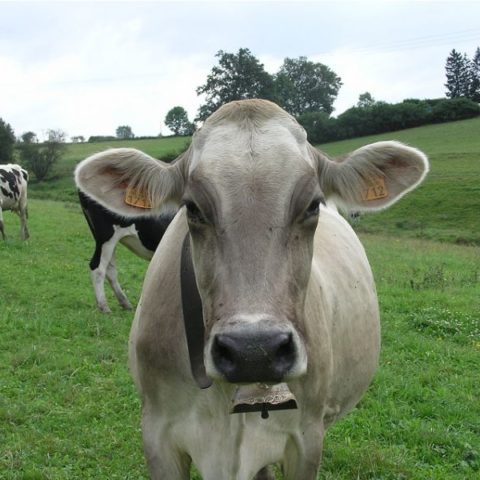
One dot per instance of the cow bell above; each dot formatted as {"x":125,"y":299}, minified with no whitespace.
{"x":259,"y":397}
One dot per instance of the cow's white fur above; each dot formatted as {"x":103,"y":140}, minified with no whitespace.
{"x":251,"y":154}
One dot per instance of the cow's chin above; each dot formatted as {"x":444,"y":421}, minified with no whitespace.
{"x":260,"y":397}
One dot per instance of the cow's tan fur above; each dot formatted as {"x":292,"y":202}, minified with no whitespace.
{"x":258,"y":260}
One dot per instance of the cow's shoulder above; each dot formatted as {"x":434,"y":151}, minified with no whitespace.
{"x":154,"y":334}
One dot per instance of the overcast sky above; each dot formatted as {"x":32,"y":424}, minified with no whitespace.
{"x":88,"y":67}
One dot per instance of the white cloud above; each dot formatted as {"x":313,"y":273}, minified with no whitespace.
{"x":388,"y":76}
{"x":87,"y":68}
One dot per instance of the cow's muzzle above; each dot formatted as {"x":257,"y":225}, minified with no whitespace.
{"x":258,"y":356}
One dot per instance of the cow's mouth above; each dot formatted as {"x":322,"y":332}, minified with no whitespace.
{"x":259,"y":397}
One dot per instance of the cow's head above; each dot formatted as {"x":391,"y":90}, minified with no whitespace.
{"x":253,"y":188}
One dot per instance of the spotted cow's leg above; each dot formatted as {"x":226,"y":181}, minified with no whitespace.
{"x":2,"y":231}
{"x":98,"y":265}
{"x":23,"y":214}
{"x":117,"y":289}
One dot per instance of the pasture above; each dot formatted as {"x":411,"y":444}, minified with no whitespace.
{"x":69,"y":410}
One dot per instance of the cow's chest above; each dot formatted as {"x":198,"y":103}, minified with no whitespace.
{"x":237,"y":446}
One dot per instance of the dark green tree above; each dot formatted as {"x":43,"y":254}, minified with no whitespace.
{"x":320,"y":127}
{"x":458,"y":75}
{"x":177,"y":121}
{"x":124,"y":132}
{"x":365,"y":100}
{"x":7,"y":142}
{"x":29,"y":137}
{"x":303,"y":86}
{"x":237,"y":76}
{"x":40,"y":158}
{"x":474,"y":91}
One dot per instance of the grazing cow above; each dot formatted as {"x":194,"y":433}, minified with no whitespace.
{"x":13,"y":195}
{"x":141,"y":235}
{"x":259,"y":297}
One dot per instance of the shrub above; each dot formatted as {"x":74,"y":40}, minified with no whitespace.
{"x":382,"y":117}
{"x":318,"y":125}
{"x":101,"y":138}
{"x":455,"y":109}
{"x":39,"y":158}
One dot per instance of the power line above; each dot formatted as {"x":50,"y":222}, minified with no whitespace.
{"x":425,"y":41}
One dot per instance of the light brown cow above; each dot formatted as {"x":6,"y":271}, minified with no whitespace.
{"x":289,"y":304}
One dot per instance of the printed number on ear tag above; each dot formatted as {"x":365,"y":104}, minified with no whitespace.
{"x":137,"y":198}
{"x":376,"y":189}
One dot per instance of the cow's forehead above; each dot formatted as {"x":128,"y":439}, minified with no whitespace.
{"x":271,"y":147}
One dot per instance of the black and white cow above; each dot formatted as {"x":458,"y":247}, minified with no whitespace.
{"x":140,"y":235}
{"x":13,"y":195}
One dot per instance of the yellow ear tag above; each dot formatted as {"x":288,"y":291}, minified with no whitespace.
{"x":137,"y":198}
{"x":375,"y":190}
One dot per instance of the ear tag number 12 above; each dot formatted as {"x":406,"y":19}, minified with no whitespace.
{"x":375,"y":190}
{"x":137,"y":198}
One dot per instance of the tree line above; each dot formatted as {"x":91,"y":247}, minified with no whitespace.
{"x":299,"y":86}
{"x":305,"y":89}
{"x":369,"y":118}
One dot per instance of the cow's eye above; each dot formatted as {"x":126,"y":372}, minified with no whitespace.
{"x":313,"y":209}
{"x":193,"y":212}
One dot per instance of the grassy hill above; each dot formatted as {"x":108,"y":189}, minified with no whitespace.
{"x":61,"y":187}
{"x":69,"y":409}
{"x":446,"y":207}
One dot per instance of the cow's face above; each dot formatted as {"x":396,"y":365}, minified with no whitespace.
{"x":252,"y":202}
{"x":252,"y":187}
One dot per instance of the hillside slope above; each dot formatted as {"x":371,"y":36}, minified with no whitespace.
{"x":446,"y":207}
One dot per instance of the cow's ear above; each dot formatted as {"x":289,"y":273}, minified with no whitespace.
{"x":131,"y":183}
{"x":372,"y":177}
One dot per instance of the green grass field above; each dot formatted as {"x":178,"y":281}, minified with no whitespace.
{"x":61,"y":187}
{"x":447,"y":205}
{"x":68,"y":408}
{"x":444,"y":208}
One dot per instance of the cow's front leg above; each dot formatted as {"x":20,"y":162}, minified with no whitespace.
{"x":2,"y":231}
{"x":23,"y":214}
{"x":164,"y":461}
{"x":303,"y":455}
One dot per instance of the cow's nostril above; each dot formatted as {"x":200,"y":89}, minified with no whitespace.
{"x":223,"y":354}
{"x":285,"y":353}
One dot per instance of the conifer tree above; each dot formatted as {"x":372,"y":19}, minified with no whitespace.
{"x":458,"y":75}
{"x":474,"y":90}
